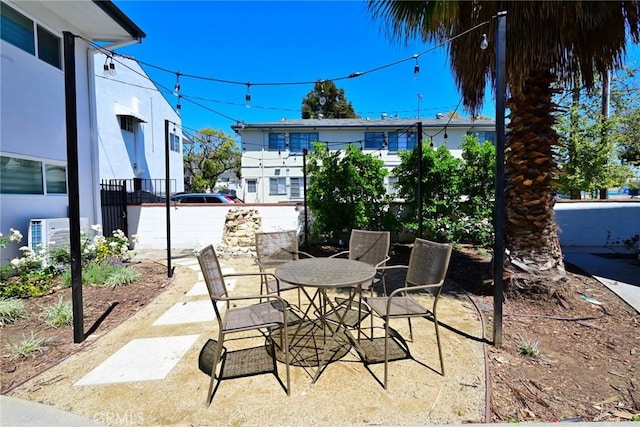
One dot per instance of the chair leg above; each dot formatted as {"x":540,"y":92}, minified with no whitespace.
{"x":214,"y":366}
{"x":410,"y":329}
{"x":386,"y":351}
{"x":435,"y":321}
{"x":286,"y":355}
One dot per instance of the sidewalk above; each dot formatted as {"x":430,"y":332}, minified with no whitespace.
{"x":622,"y":276}
{"x":145,"y":372}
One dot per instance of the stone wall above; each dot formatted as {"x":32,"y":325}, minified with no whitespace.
{"x":238,"y":235}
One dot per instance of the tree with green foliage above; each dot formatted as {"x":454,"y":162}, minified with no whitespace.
{"x":625,"y":87}
{"x":587,"y":155}
{"x":346,"y":191}
{"x":210,"y":154}
{"x":457,"y":194}
{"x":579,"y":40}
{"x":440,"y":191}
{"x":327,"y":101}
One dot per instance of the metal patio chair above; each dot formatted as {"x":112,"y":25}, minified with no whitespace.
{"x":273,"y":249}
{"x":371,"y":247}
{"x":274,"y":313}
{"x":427,"y":269}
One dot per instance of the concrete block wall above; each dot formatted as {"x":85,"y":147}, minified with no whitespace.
{"x":597,"y":223}
{"x":581,"y":223}
{"x":193,"y":227}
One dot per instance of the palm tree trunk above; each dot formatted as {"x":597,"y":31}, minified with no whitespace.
{"x":531,"y":239}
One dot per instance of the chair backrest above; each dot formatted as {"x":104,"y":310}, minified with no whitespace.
{"x":276,"y":247}
{"x":428,"y":263}
{"x":212,"y":273}
{"x":371,"y":247}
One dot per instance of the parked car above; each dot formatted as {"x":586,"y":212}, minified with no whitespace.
{"x":201,"y":198}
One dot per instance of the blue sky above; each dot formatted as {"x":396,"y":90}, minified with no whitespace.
{"x":285,"y":42}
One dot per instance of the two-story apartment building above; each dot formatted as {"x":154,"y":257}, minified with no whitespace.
{"x":272,"y":161}
{"x":33,"y":134}
{"x":131,"y":114}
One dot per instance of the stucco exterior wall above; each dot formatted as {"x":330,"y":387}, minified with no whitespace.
{"x":597,"y":223}
{"x":138,"y":154}
{"x":581,"y":223}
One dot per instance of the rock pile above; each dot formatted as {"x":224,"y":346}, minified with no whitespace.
{"x":238,"y":236}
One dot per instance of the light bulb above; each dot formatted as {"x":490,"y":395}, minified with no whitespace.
{"x":247,"y":97}
{"x":112,"y":68}
{"x":484,"y":43}
{"x":416,"y":69}
{"x":106,"y":70}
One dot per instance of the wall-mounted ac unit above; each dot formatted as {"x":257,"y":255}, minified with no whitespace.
{"x":46,"y":230}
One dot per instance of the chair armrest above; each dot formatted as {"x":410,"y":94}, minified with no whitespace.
{"x":305,"y":254}
{"x":339,"y":254}
{"x":393,"y":267}
{"x":262,"y":274}
{"x":381,"y":264}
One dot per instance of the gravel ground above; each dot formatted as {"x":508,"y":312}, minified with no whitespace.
{"x":346,"y":393}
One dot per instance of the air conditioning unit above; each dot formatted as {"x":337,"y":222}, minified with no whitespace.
{"x":56,"y":230}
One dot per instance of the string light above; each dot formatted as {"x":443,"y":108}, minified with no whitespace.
{"x":484,"y":43}
{"x":109,"y":68}
{"x":178,"y":106}
{"x":445,"y":135}
{"x":416,"y":68}
{"x":112,"y":71}
{"x":176,"y":89}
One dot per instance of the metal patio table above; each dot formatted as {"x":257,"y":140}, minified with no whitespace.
{"x":318,"y":276}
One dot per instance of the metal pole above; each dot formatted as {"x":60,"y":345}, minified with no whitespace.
{"x":498,"y":252}
{"x":420,"y":201}
{"x":304,"y":187}
{"x":74,"y":185}
{"x":167,"y":195}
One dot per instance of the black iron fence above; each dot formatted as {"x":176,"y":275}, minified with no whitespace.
{"x":143,"y":190}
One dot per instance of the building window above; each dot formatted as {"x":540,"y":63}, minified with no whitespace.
{"x":24,"y":176}
{"x":56,"y":179}
{"x":402,"y":141}
{"x":484,"y":136}
{"x":296,"y":189}
{"x":392,"y":186}
{"x":374,"y":140}
{"x":174,"y":142}
{"x":48,"y":47}
{"x":18,"y":30}
{"x":127,"y":123}
{"x":276,"y":141}
{"x":277,"y":186}
{"x":252,"y":186}
{"x":298,"y":141}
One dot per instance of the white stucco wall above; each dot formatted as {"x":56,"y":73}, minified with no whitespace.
{"x":195,"y":226}
{"x":141,"y":154}
{"x":581,"y":223}
{"x":597,"y":223}
{"x":34,"y":128}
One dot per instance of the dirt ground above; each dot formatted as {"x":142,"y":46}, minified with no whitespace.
{"x":588,"y":366}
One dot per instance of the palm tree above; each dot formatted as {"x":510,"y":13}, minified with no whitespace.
{"x":549,"y":44}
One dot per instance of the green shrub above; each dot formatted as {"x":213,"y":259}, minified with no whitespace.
{"x":28,"y":345}
{"x":11,"y":309}
{"x":101,"y":273}
{"x":27,"y":284}
{"x":59,"y":314}
{"x":122,"y":276}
